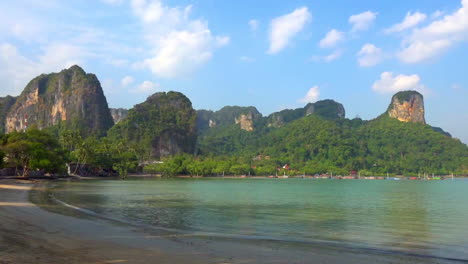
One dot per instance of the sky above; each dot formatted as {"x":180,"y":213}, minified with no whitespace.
{"x":267,"y":53}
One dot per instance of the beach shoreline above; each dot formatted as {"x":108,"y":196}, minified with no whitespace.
{"x":30,"y":234}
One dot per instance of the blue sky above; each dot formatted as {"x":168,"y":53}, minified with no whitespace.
{"x":267,"y":53}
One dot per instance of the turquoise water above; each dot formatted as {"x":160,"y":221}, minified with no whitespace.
{"x":421,"y":217}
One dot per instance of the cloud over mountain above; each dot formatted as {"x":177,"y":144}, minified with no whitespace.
{"x":284,"y":28}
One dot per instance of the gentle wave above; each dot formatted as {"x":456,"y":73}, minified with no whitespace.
{"x":351,"y":245}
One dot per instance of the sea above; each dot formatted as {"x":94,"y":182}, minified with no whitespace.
{"x":428,"y":218}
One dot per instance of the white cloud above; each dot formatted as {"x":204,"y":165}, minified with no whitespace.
{"x":437,"y":14}
{"x":331,"y":39}
{"x":18,"y":70}
{"x":418,"y":50}
{"x":311,"y":96}
{"x":22,"y":24}
{"x":247,"y":59}
{"x":253,"y":24}
{"x":126,"y":81}
{"x":362,"y":21}
{"x":369,"y":55}
{"x":284,"y":28}
{"x":152,"y":11}
{"x":179,"y":45}
{"x":333,"y":56}
{"x":336,"y":54}
{"x":59,"y":55}
{"x":146,"y":87}
{"x":411,"y":20}
{"x":437,"y":37}
{"x":181,"y":52}
{"x":44,"y":43}
{"x":389,"y":83}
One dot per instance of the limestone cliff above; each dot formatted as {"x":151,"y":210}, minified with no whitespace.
{"x":407,"y":106}
{"x":228,"y":115}
{"x":163,"y":125}
{"x":205,"y":120}
{"x":245,"y":121}
{"x":71,"y":99}
{"x":118,"y":114}
{"x":5,"y":104}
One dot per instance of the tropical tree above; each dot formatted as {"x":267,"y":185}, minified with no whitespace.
{"x":34,"y":150}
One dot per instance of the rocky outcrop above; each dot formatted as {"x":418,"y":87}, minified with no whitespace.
{"x":205,"y":120}
{"x":5,"y":104}
{"x":327,"y":109}
{"x":228,"y":115}
{"x":245,"y":121}
{"x":278,"y":119}
{"x":407,"y":106}
{"x":118,"y":114}
{"x":249,"y":117}
{"x":70,"y":99}
{"x":211,"y":123}
{"x":163,"y":125}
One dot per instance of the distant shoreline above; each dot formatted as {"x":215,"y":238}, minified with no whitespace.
{"x":148,"y":175}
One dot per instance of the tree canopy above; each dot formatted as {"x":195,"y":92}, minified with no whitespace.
{"x":33,"y":150}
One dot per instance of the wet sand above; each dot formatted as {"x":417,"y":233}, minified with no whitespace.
{"x":29,"y":234}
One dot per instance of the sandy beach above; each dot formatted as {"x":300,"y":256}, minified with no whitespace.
{"x":29,"y":234}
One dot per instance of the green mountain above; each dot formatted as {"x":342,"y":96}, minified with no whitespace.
{"x":327,"y":109}
{"x":163,"y":125}
{"x":316,"y":138}
{"x":326,"y":141}
{"x":248,"y":118}
{"x":70,"y":99}
{"x":226,"y":136}
{"x":228,"y":115}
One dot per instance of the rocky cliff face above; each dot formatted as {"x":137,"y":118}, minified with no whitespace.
{"x":118,"y":114}
{"x":71,"y":98}
{"x":163,"y":125}
{"x":245,"y":121}
{"x":249,"y":117}
{"x":5,"y":104}
{"x":205,"y":120}
{"x":228,"y":115}
{"x":407,"y":106}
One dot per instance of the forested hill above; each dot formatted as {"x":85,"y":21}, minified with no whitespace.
{"x":163,"y":125}
{"x":318,"y":143}
{"x":316,"y":138}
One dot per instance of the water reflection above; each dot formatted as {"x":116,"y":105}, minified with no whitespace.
{"x":418,"y":217}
